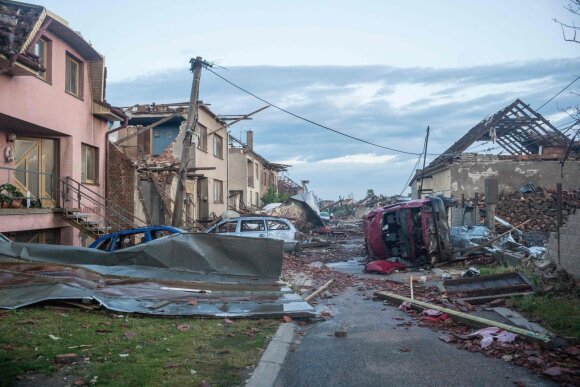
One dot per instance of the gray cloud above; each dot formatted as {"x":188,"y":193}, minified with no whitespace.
{"x":386,"y":105}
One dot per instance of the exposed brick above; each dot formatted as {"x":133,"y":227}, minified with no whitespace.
{"x":121,"y":183}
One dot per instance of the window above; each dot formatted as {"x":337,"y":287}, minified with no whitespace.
{"x":202,"y":138}
{"x":229,"y":226}
{"x":157,"y":134}
{"x":218,"y":146}
{"x":73,"y":76}
{"x":277,"y":225}
{"x":252,"y":225}
{"x":218,"y":191}
{"x":90,"y":156}
{"x":250,"y":166}
{"x":264,"y":178}
{"x":257,"y":199}
{"x":42,"y":50}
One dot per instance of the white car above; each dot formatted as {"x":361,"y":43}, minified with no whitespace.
{"x":260,"y":227}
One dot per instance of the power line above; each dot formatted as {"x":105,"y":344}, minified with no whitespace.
{"x":411,"y":175}
{"x":309,"y":120}
{"x":558,"y":93}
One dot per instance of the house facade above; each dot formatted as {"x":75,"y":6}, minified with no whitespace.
{"x":250,"y":174}
{"x":53,"y":122}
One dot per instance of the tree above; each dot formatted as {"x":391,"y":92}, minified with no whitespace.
{"x":271,"y":196}
{"x":570,"y":31}
{"x":370,"y":192}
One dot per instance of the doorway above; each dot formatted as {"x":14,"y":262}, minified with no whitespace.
{"x":36,"y":161}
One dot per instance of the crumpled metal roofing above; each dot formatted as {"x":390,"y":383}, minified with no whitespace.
{"x":188,"y":275}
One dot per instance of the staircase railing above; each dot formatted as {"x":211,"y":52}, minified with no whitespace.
{"x":71,"y":194}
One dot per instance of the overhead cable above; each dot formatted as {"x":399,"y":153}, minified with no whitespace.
{"x":558,"y":93}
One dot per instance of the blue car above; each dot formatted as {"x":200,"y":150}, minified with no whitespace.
{"x":132,"y":237}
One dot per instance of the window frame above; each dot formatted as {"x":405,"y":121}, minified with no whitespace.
{"x":79,"y":74}
{"x":45,"y":59}
{"x":216,"y":184}
{"x":221,"y":148}
{"x":84,"y":166}
{"x":243,"y":222}
{"x":202,"y":145}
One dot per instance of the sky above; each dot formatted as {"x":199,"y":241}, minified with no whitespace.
{"x":378,"y":70}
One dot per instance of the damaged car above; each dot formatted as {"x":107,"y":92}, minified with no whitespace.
{"x":132,"y":237}
{"x":414,"y":232}
{"x":260,"y":227}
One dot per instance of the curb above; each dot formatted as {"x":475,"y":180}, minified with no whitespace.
{"x":271,"y":362}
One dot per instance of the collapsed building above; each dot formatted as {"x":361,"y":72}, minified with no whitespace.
{"x":519,"y":184}
{"x":225,"y":173}
{"x":537,"y":153}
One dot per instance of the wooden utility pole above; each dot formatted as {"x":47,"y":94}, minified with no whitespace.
{"x":424,"y":160}
{"x":188,"y":141}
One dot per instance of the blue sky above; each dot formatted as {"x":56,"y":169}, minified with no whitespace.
{"x":380,"y":70}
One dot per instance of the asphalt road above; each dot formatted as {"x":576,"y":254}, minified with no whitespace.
{"x":371,"y":353}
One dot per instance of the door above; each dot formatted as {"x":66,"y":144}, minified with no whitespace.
{"x":203,"y":199}
{"x":227,"y":228}
{"x":36,"y":161}
{"x":255,"y":228}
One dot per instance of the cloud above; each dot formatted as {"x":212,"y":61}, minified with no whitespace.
{"x":381,"y":104}
{"x":362,"y":158}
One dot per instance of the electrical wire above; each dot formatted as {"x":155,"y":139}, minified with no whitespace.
{"x":314,"y":122}
{"x":358,"y":138}
{"x":558,"y":93}
{"x":411,"y":175}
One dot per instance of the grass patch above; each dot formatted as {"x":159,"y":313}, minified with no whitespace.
{"x":130,"y":350}
{"x":559,"y":314}
{"x":495,"y":269}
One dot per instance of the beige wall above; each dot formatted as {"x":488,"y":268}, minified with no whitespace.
{"x":239,"y":174}
{"x":208,"y":159}
{"x":467,"y":176}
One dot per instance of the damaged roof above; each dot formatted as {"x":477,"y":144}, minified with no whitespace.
{"x":273,"y":166}
{"x":23,"y":24}
{"x":517,"y":128}
{"x":191,"y":274}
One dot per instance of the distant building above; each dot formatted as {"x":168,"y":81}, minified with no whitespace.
{"x":251,"y":175}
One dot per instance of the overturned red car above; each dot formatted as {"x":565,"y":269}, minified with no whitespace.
{"x":416,"y":232}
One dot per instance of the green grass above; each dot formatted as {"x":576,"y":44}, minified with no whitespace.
{"x":559,"y":314}
{"x":158,"y":353}
{"x":495,"y":269}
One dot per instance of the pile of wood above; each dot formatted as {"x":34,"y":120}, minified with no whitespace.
{"x":540,"y":207}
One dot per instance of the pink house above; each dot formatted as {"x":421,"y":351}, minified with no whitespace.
{"x":53,"y":124}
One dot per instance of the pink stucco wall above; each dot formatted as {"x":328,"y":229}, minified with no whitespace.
{"x":48,"y":105}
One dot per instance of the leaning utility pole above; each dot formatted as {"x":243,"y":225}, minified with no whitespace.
{"x":424,"y":159}
{"x":188,"y":141}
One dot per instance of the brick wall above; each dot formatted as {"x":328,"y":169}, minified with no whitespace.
{"x":121,"y":185}
{"x":569,"y":245}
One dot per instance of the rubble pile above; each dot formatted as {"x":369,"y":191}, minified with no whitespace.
{"x":539,"y":207}
{"x":561,"y":364}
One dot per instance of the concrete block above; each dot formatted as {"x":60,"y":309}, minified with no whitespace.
{"x":285,"y":333}
{"x":276,"y":352}
{"x":264,"y":376}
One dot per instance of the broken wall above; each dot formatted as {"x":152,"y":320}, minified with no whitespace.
{"x":569,"y":246}
{"x":466,"y":176}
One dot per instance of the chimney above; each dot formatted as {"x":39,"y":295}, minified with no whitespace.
{"x":250,"y":139}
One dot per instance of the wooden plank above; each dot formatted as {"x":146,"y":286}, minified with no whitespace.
{"x":146,"y":128}
{"x":320,"y":290}
{"x":464,"y":317}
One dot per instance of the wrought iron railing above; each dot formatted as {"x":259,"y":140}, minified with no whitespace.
{"x":67,"y":193}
